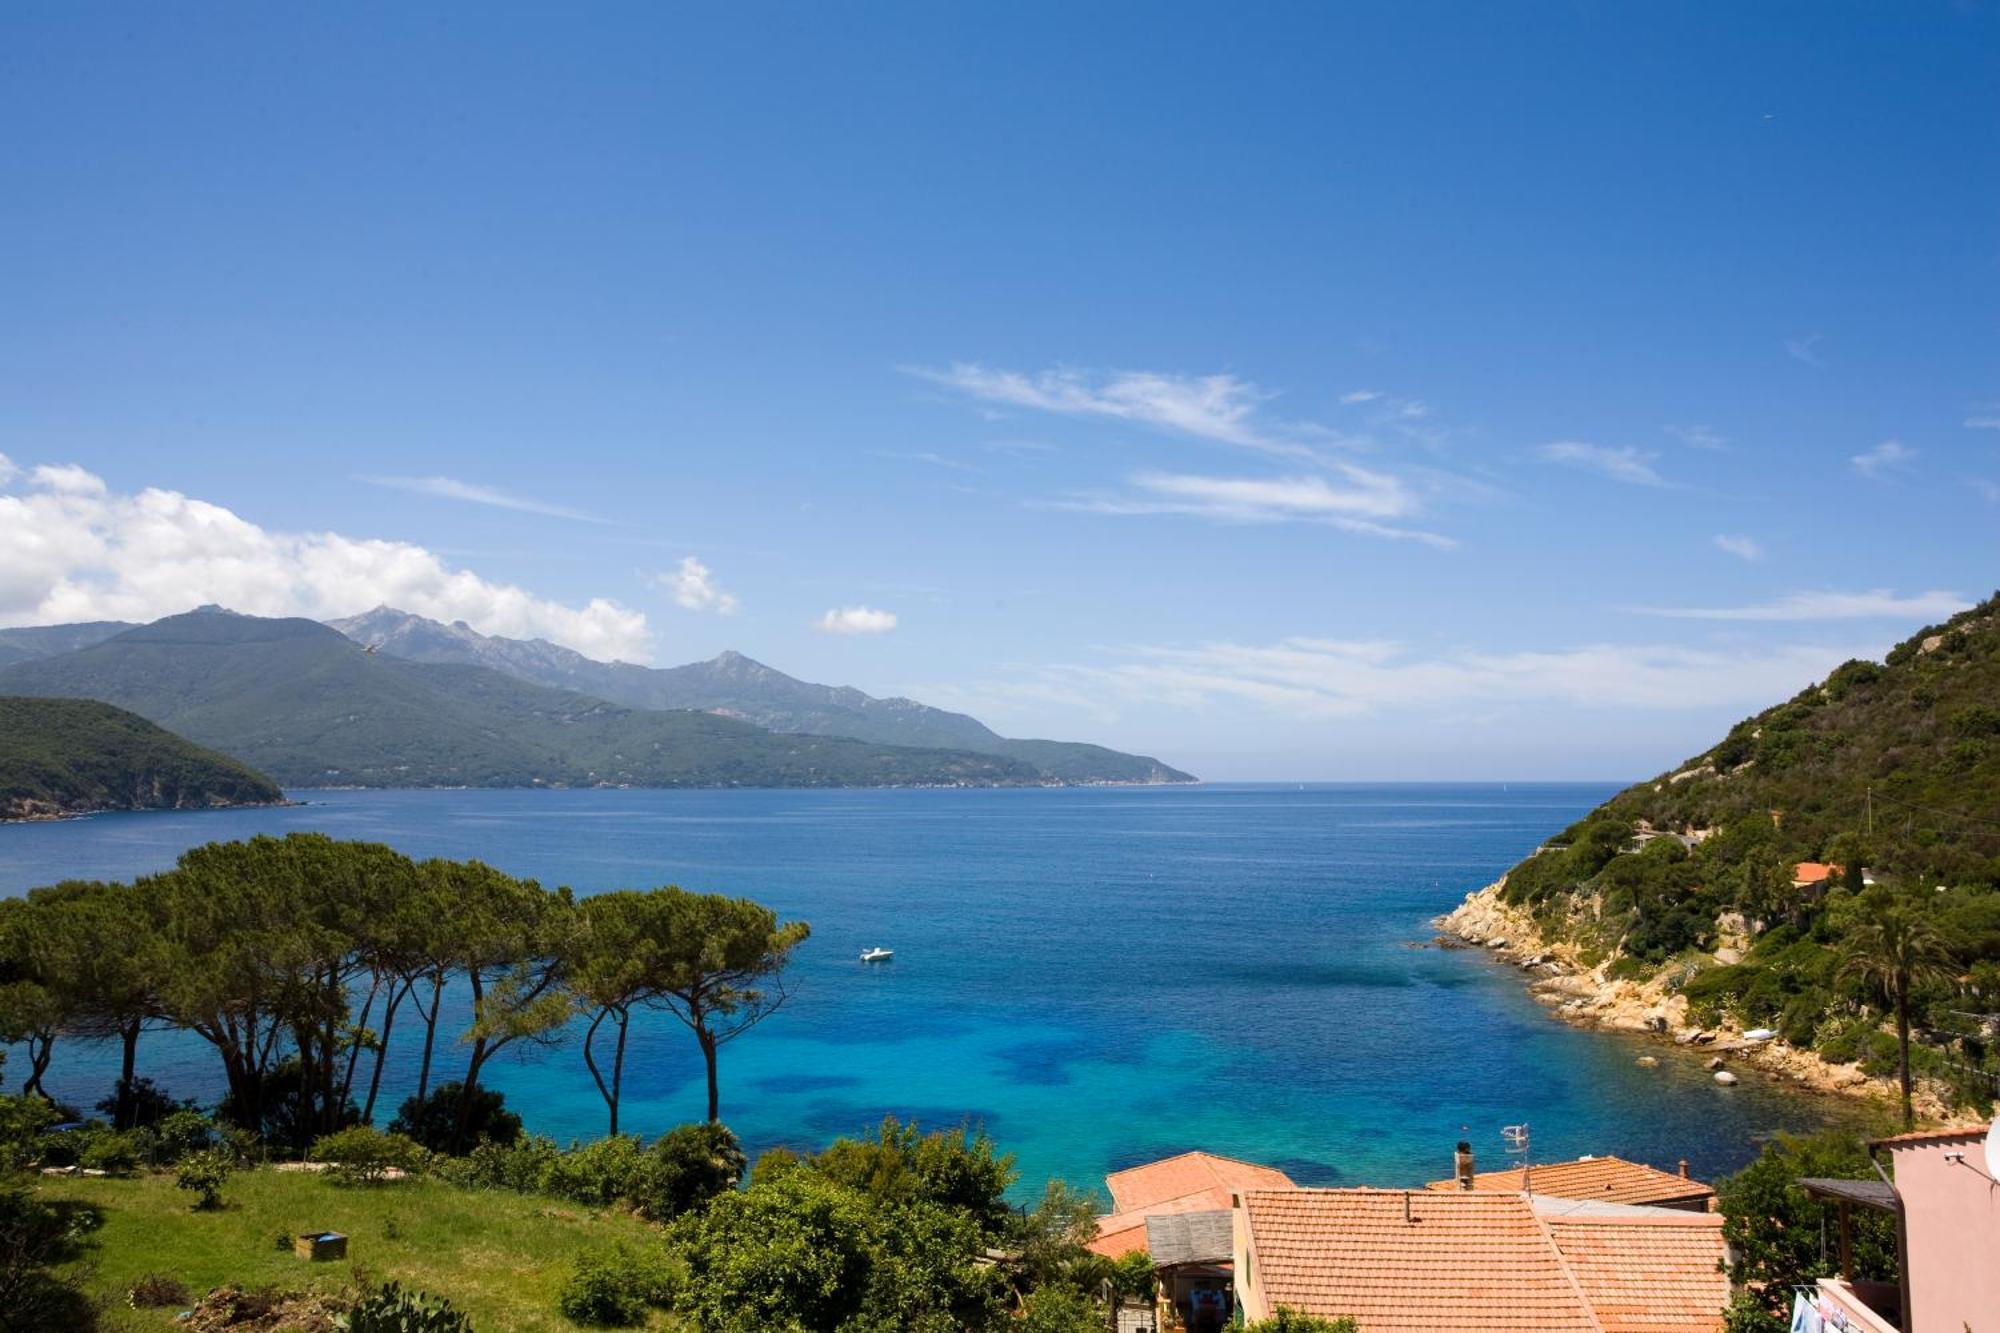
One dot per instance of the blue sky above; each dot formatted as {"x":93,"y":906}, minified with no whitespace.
{"x":1291,"y":391}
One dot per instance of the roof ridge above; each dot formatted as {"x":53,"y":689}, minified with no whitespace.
{"x":1562,"y":1265}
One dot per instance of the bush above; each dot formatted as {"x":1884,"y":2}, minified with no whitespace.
{"x":690,"y":1165}
{"x":202,"y":1174}
{"x":179,"y":1133}
{"x":600,"y":1173}
{"x":23,"y":1123}
{"x":1061,"y":1310}
{"x":364,"y":1155}
{"x":34,"y":1238}
{"x":390,"y":1309}
{"x":525,"y":1168}
{"x":114,"y":1153}
{"x":433,"y":1121}
{"x":150,"y":1103}
{"x":157,"y":1290}
{"x":1288,"y":1320}
{"x":615,"y":1286}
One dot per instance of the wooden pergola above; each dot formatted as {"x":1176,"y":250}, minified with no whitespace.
{"x":1848,"y":1195}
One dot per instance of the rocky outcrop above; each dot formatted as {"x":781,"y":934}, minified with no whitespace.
{"x":1559,"y":976}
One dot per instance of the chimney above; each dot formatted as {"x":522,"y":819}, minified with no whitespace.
{"x":1462,"y":1164}
{"x":1684,"y":1168}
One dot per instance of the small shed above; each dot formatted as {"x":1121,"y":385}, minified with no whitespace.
{"x":1193,"y":1253}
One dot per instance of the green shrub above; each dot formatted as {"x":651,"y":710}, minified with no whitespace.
{"x":179,"y":1133}
{"x":364,"y":1155}
{"x":36,"y":1237}
{"x":1288,"y":1320}
{"x":114,"y":1153}
{"x":599,"y":1173}
{"x":615,"y":1286}
{"x":203,"y":1174}
{"x":434,"y":1121}
{"x":390,"y":1309}
{"x":689,"y":1165}
{"x":23,"y":1123}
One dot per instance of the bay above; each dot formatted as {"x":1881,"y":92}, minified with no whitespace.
{"x":1099,"y":976}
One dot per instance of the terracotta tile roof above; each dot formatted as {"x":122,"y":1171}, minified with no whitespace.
{"x":1916,"y":1136}
{"x":1193,"y":1182}
{"x":1461,"y":1261}
{"x":1612,"y":1179}
{"x":1658,"y":1274}
{"x":1813,"y":872}
{"x":1483,"y":1260}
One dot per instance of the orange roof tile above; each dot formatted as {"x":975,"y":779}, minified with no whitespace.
{"x":1916,"y":1136}
{"x":1192,"y":1182}
{"x":1459,"y":1261}
{"x":1483,"y":1260}
{"x":1814,"y":872}
{"x":1647,"y":1274}
{"x":1612,"y":1179}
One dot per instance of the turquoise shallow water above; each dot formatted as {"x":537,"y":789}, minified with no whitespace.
{"x":1100,"y":976}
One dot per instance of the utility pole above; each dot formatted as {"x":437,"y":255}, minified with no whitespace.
{"x":1871,"y":809}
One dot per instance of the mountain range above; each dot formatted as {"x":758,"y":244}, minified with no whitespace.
{"x":737,"y":686}
{"x":313,"y":707}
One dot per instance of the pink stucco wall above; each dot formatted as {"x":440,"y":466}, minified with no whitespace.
{"x":1953,"y":1215}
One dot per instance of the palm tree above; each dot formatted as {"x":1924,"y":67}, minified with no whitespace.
{"x":1897,"y":949}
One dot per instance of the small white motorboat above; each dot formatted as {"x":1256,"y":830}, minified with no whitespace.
{"x":877,"y":955}
{"x":1759,"y":1034}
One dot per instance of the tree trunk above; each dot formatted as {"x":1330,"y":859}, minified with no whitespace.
{"x":128,"y":1036}
{"x":354,"y":1046}
{"x":1903,"y":1049}
{"x":465,"y":1091}
{"x":430,"y":1034}
{"x":708,"y":1043}
{"x":618,"y":1070}
{"x":382,"y":1051}
{"x":41,"y":1047}
{"x":608,"y":1091}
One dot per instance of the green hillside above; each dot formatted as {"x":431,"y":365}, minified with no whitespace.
{"x":312,"y":708}
{"x":71,"y":756}
{"x":1890,"y":770}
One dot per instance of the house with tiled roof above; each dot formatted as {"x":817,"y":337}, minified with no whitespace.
{"x":1947,"y":1211}
{"x":1190,"y":1182}
{"x":1607,"y":1179}
{"x":1433,"y":1261}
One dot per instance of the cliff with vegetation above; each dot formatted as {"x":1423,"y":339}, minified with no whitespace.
{"x":74,"y":756}
{"x":1750,"y":888}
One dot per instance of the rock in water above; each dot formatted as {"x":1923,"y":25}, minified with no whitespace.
{"x":1725,"y":1078}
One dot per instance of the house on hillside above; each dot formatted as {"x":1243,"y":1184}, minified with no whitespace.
{"x":1177,"y":1210}
{"x":1448,"y":1261}
{"x":1816,"y":877}
{"x":1948,"y":1230}
{"x":1604,"y":1179}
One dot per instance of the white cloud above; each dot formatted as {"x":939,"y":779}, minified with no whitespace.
{"x":1305,"y":678}
{"x":856,"y":620}
{"x":1888,"y":456}
{"x":1743,"y":548}
{"x":1983,"y":423}
{"x":693,"y":587}
{"x":1360,"y":501}
{"x":1698,"y":437}
{"x":451,"y":488}
{"x":72,"y":550}
{"x":7,"y":470}
{"x":1803,"y":349}
{"x":1878,"y":603}
{"x":1221,"y":408}
{"x":1620,"y":463}
{"x":1360,"y":396}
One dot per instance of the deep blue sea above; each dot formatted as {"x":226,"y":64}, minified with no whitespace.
{"x":1098,"y":976}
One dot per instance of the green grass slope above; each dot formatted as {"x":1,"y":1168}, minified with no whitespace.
{"x":1892,"y":767}
{"x":72,"y":756}
{"x":312,"y":708}
{"x":499,"y":1257}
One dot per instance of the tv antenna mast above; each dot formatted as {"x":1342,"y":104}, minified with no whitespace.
{"x":1518,"y":1145}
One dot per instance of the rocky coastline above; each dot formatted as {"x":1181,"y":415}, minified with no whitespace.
{"x":1586,"y":996}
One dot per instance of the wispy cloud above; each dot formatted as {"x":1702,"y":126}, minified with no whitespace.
{"x":856,"y":620}
{"x":1698,"y":437}
{"x":1888,"y":456}
{"x":1220,"y":408}
{"x":693,"y":586}
{"x":1743,"y":548}
{"x":1805,"y":349}
{"x":1620,"y":462}
{"x":1983,"y":423}
{"x":1361,"y":501}
{"x":1304,"y":678}
{"x":451,"y":488}
{"x":1360,"y":396}
{"x":931,"y":458}
{"x":1875,"y":604}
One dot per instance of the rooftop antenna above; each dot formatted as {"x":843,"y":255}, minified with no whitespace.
{"x":1517,"y":1141}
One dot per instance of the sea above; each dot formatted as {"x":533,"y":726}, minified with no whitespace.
{"x":1097,"y":977}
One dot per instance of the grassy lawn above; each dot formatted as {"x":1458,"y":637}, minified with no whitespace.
{"x":499,"y":1257}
